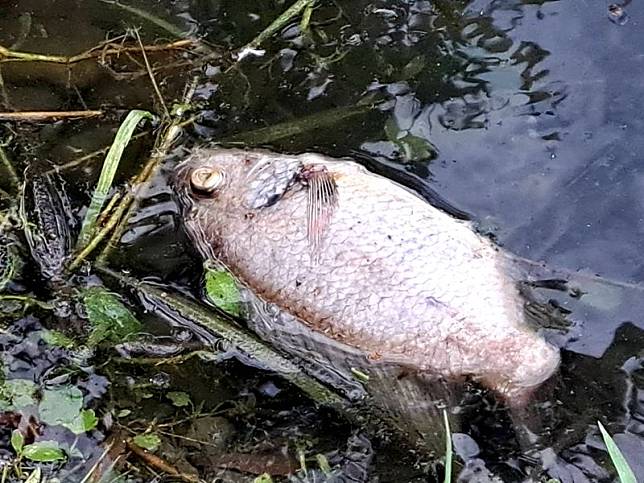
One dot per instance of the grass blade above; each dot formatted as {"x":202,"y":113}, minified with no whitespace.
{"x":624,"y":471}
{"x":110,"y":166}
{"x":448,"y":449}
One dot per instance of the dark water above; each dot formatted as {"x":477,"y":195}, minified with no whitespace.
{"x":526,"y":115}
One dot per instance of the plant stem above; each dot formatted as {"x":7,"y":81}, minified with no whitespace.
{"x":108,"y":172}
{"x":37,"y":116}
{"x":6,"y":162}
{"x":278,"y":23}
{"x":7,"y":55}
{"x":159,"y":22}
{"x":130,"y":201}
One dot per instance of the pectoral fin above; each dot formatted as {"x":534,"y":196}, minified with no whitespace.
{"x":322,"y":200}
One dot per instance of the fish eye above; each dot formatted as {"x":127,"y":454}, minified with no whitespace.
{"x":206,"y":180}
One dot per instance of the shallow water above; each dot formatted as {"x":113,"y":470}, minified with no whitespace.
{"x":525,"y":115}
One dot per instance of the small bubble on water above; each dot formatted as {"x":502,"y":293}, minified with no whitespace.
{"x":617,"y":14}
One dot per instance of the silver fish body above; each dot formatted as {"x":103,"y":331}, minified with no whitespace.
{"x":360,"y":260}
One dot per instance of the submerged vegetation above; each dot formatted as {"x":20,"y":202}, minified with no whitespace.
{"x":110,"y":375}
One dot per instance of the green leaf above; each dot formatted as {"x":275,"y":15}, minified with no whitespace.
{"x":43,"y":451}
{"x":222,"y":291}
{"x":57,"y":339}
{"x":263,"y":478}
{"x":448,"y":449}
{"x":64,"y":406}
{"x":179,"y":399}
{"x":61,"y":406}
{"x":110,"y":165}
{"x":16,"y":394}
{"x":149,"y":441}
{"x":624,"y":471}
{"x":412,"y":148}
{"x":17,"y":441}
{"x":85,"y":421}
{"x":415,"y":148}
{"x":110,"y":319}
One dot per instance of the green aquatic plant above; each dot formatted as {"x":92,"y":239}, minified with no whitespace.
{"x":149,"y":441}
{"x":624,"y":471}
{"x":448,"y":449}
{"x":40,"y":451}
{"x":110,"y":165}
{"x":222,"y":290}
{"x":63,"y":406}
{"x":109,"y":318}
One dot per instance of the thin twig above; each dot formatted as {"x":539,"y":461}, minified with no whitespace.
{"x":6,"y":103}
{"x":108,"y":208}
{"x":164,"y":146}
{"x":26,"y":299}
{"x":38,"y":116}
{"x":160,"y":464}
{"x":125,"y":206}
{"x":151,"y":75}
{"x":83,"y":159}
{"x":7,"y":55}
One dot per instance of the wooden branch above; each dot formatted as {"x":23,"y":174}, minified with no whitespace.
{"x":7,"y":55}
{"x":37,"y":116}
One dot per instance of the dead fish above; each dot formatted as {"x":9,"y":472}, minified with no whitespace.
{"x":365,"y":262}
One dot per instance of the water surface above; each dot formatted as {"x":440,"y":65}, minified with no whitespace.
{"x":526,"y":115}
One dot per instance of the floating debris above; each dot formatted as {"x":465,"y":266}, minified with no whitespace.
{"x":617,"y":14}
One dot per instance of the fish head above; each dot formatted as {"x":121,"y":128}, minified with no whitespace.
{"x":220,"y":190}
{"x":213,"y":179}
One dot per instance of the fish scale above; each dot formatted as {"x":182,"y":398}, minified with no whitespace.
{"x":392,"y":276}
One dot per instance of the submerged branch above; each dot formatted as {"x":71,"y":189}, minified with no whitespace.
{"x":160,"y":464}
{"x":7,"y":55}
{"x":302,"y":125}
{"x":169,"y":303}
{"x":38,"y":116}
{"x":159,"y":22}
